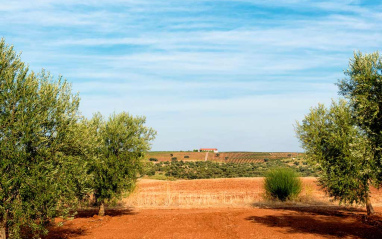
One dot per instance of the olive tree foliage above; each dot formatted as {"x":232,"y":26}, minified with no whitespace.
{"x":341,"y":150}
{"x":42,"y":176}
{"x":116,"y":160}
{"x":363,"y":89}
{"x":346,"y":140}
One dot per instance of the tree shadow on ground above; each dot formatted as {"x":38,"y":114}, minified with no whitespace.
{"x":64,"y":233}
{"x":326,"y":221}
{"x":321,"y":208}
{"x":82,"y":220}
{"x":92,"y":212}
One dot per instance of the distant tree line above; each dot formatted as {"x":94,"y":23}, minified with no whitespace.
{"x":208,"y":169}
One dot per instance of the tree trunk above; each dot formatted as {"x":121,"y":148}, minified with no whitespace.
{"x":2,"y":230}
{"x":369,"y":207}
{"x":101,"y":211}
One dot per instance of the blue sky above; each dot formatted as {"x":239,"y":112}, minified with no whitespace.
{"x":235,"y":75}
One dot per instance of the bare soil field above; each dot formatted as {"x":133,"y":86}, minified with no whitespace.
{"x":223,"y":208}
{"x":222,"y":192}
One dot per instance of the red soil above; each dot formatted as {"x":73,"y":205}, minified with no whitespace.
{"x":202,"y":185}
{"x":271,"y":221}
{"x":223,"y":223}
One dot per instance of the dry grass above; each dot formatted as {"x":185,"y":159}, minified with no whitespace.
{"x":220,"y":193}
{"x":190,"y":200}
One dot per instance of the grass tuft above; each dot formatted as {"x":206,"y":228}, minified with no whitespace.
{"x":282,"y":184}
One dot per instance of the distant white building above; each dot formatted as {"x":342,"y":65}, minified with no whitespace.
{"x":209,"y":150}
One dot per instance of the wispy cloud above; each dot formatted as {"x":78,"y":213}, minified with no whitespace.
{"x":234,"y":74}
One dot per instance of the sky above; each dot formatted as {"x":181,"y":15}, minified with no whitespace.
{"x":234,"y":75}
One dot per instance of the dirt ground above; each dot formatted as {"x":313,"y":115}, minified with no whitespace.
{"x":315,"y":216}
{"x":218,"y":193}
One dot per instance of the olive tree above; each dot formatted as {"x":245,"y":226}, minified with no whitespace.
{"x":341,"y":150}
{"x":120,"y":144}
{"x":346,"y":140}
{"x":40,"y":167}
{"x":363,"y":89}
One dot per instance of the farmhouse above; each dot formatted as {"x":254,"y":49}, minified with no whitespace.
{"x":208,"y":150}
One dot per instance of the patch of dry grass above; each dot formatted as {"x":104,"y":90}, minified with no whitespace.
{"x":190,"y":200}
{"x":220,"y":193}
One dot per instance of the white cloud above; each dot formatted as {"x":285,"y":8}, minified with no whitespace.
{"x":199,"y":74}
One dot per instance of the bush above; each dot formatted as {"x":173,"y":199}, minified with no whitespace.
{"x":174,"y":159}
{"x":282,"y":184}
{"x":186,"y":156}
{"x":150,"y":172}
{"x":153,"y":159}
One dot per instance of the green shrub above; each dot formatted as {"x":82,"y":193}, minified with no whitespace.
{"x":174,"y":159}
{"x":150,"y":172}
{"x":153,"y":159}
{"x":282,"y":184}
{"x":186,"y":156}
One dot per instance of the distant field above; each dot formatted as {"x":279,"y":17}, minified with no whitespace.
{"x":226,"y":157}
{"x":171,"y":165}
